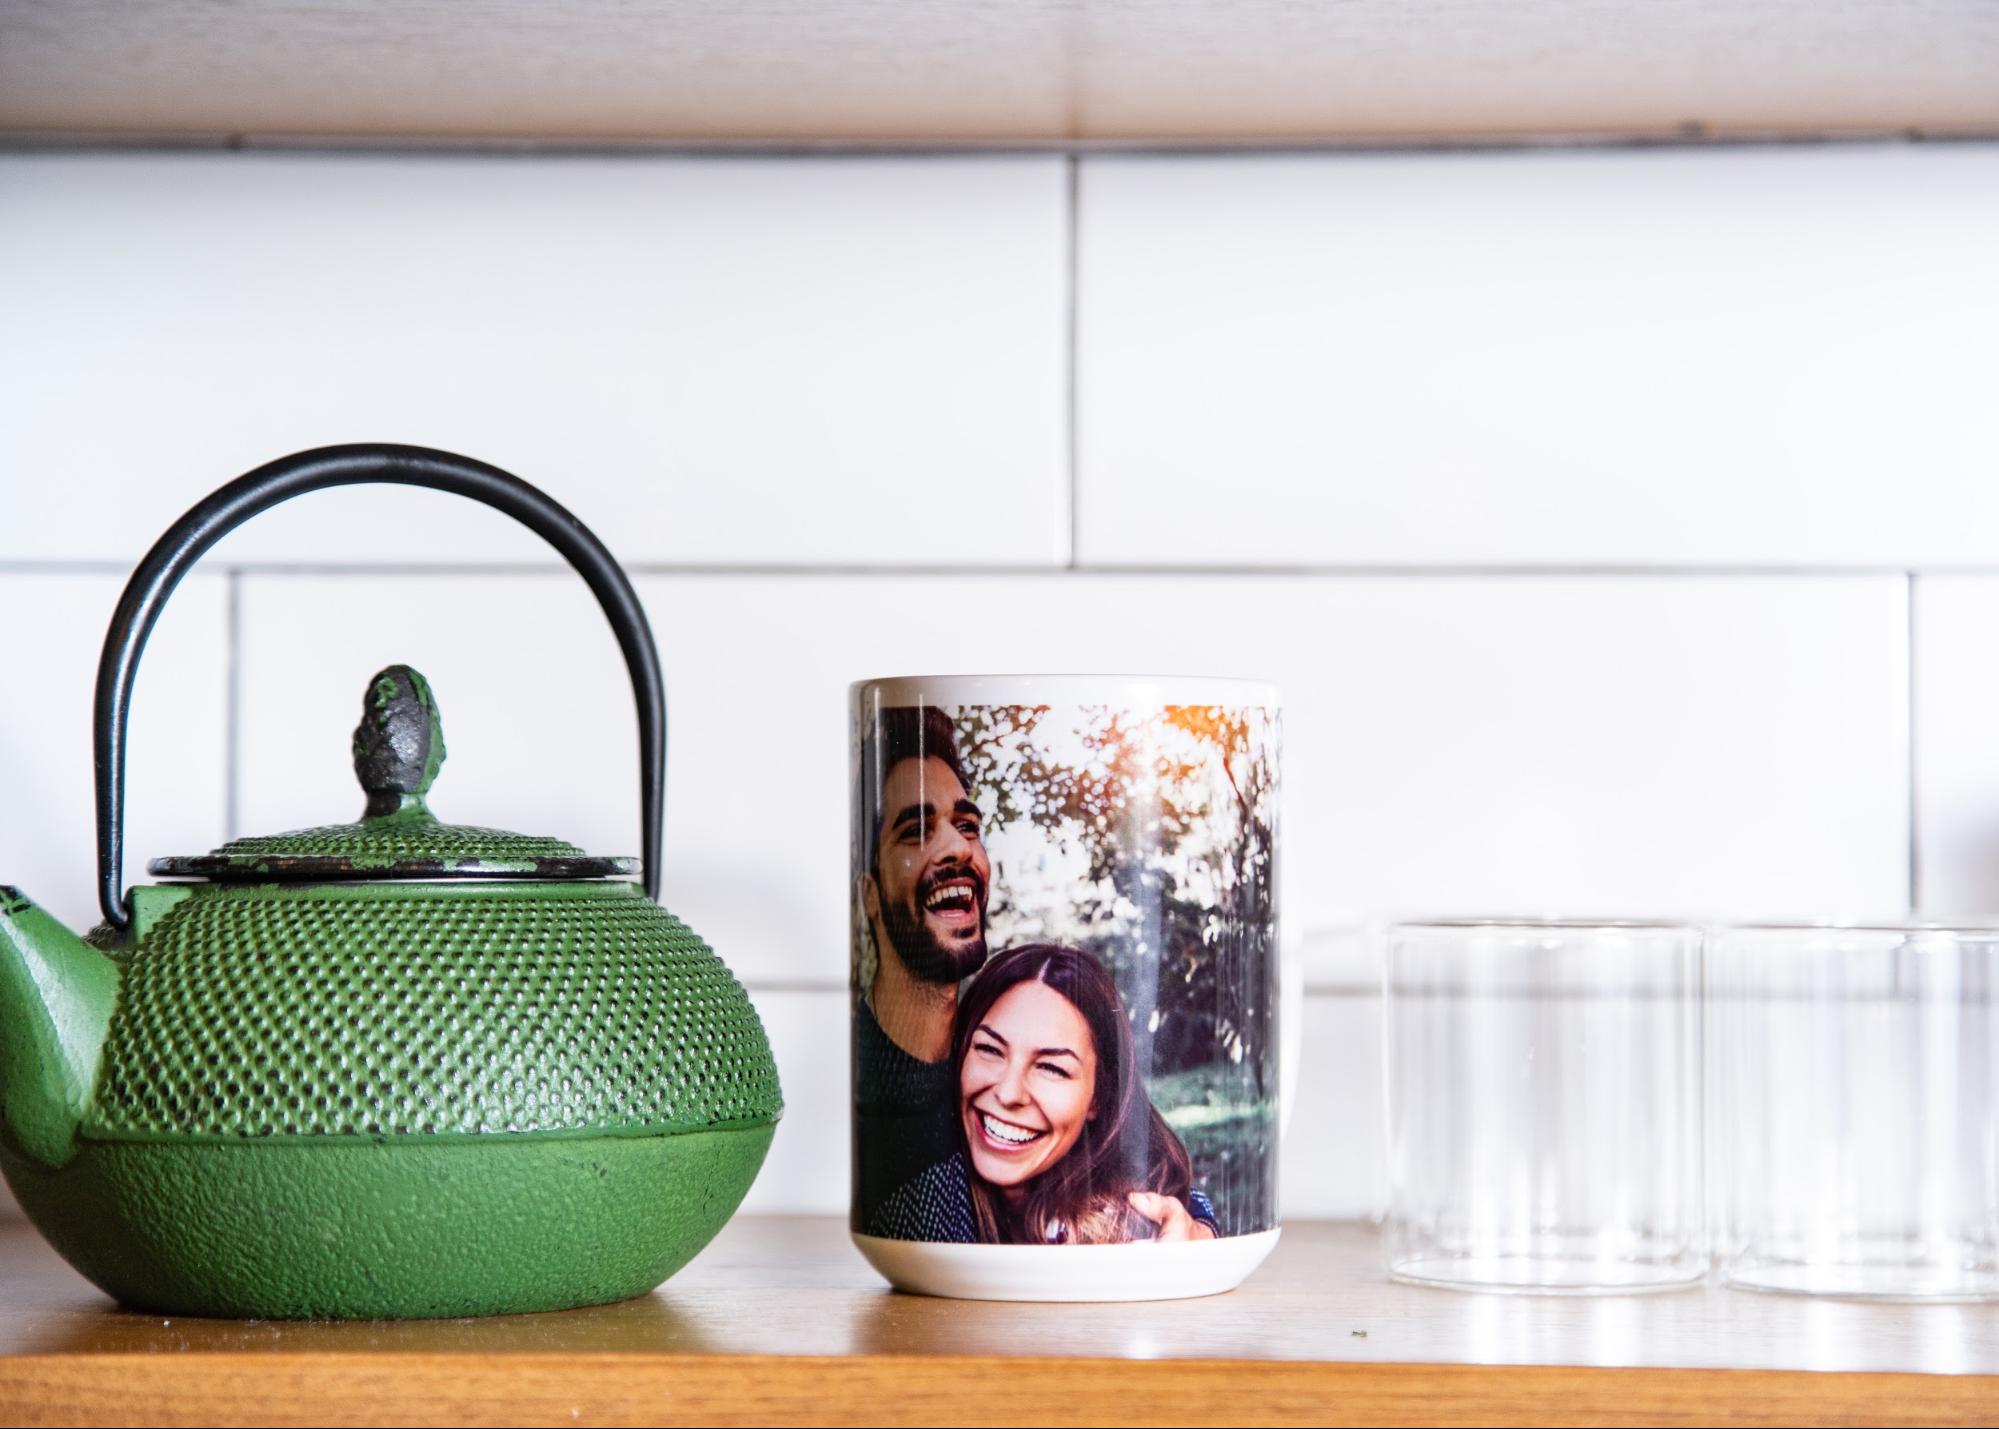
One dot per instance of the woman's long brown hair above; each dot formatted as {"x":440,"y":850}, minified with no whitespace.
{"x":1126,"y":1145}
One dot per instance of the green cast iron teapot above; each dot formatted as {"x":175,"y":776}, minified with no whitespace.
{"x":383,"y":1069}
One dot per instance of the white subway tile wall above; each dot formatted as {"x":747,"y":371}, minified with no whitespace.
{"x":1957,"y":743}
{"x":177,"y":781}
{"x":1653,"y":357}
{"x":713,"y":360}
{"x":1689,"y":431}
{"x":1591,"y":744}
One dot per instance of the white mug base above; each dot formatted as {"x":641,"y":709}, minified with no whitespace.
{"x":1141,"y":1271}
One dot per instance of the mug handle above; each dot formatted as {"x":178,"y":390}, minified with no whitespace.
{"x":184,"y":543}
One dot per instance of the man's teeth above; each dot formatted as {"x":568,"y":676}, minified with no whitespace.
{"x":1006,"y":1131}
{"x":950,"y":893}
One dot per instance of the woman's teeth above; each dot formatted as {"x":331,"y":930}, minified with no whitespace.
{"x":1006,"y":1131}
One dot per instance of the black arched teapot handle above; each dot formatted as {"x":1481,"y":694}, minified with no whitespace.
{"x":176,"y":552}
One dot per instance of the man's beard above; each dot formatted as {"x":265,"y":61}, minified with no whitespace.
{"x":928,"y":959}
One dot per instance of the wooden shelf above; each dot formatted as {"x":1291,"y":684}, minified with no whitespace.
{"x":780,"y":1322}
{"x":946,"y":72}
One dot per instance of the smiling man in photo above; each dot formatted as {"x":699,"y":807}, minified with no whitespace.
{"x":923,"y":890}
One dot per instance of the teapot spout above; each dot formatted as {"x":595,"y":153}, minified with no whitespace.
{"x":57,"y":994}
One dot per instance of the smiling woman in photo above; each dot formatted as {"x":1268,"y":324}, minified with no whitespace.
{"x":1058,"y":1142}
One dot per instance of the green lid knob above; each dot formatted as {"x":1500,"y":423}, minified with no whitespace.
{"x":398,"y":749}
{"x":399,"y":744}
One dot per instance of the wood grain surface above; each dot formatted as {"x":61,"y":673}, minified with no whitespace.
{"x":780,"y":1322}
{"x":924,"y":71}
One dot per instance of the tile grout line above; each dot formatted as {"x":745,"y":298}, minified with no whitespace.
{"x":889,"y":570}
{"x":498,"y":147}
{"x":1072,"y":406}
{"x":232,"y":706}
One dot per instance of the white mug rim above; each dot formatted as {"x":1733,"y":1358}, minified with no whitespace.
{"x":1028,"y":689}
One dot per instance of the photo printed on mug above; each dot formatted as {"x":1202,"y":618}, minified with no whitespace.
{"x":1065,"y":960}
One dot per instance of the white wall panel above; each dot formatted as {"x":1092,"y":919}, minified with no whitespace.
{"x":1662,"y":357}
{"x":1622,"y":745}
{"x":1612,"y":360}
{"x":176,"y":785}
{"x":1957,"y":745}
{"x":1333,"y":1161}
{"x":709,"y":360}
{"x":1635,"y":745}
{"x":806,"y":1172}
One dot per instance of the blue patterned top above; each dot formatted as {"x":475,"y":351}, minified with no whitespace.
{"x":936,"y":1205}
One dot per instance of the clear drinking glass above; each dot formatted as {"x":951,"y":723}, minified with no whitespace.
{"x":1544,"y":1106}
{"x":1854,"y":1091}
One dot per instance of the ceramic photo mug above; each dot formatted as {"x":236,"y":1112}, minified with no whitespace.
{"x":1066,"y":984}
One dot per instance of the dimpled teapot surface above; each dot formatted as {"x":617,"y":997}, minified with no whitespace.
{"x":426,"y":1011}
{"x":392,"y":1068}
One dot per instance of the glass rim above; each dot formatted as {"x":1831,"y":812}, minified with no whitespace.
{"x":1980,"y":926}
{"x":1555,"y":924}
{"x":1031,"y":686}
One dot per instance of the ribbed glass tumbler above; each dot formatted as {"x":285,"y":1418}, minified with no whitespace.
{"x":1544,"y":1105}
{"x":1854,"y":1092}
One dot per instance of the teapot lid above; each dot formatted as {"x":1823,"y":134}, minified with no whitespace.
{"x":398,"y":749}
